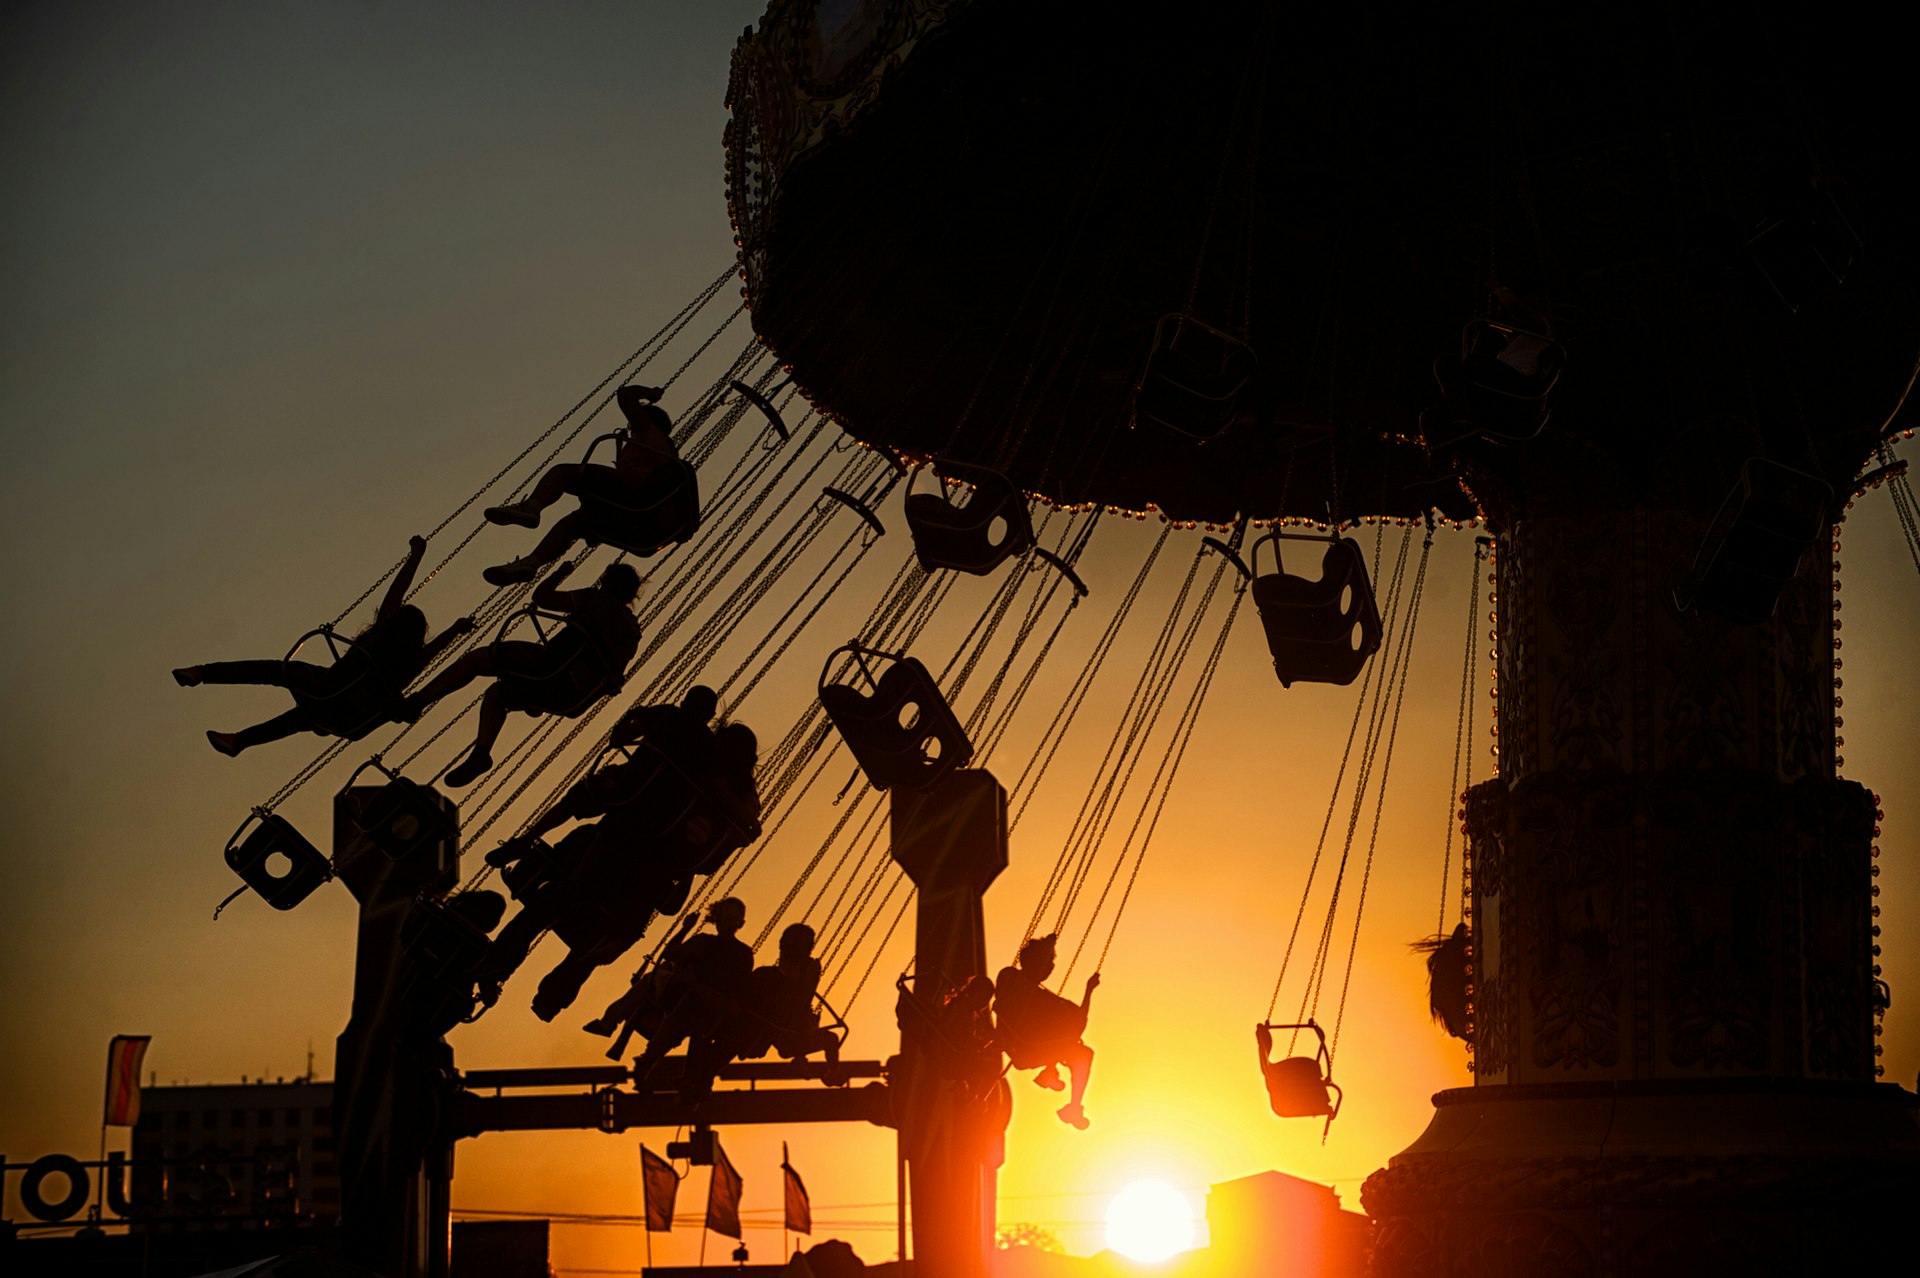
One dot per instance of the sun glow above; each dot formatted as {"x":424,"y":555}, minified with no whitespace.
{"x":1149,"y":1220}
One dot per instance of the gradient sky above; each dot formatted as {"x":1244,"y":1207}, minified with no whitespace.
{"x":285,"y":282}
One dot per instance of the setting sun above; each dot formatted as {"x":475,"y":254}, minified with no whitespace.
{"x":1149,"y":1220}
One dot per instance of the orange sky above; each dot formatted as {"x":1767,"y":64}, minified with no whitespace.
{"x":288,"y":285}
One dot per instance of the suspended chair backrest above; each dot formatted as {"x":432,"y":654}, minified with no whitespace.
{"x":661,"y":510}
{"x":356,"y":697}
{"x":992,"y":527}
{"x":900,"y":730}
{"x":1758,"y":539}
{"x":442,"y":951}
{"x":1319,"y":630}
{"x":275,"y":860}
{"x":581,"y":676}
{"x":404,"y":820}
{"x":1193,"y":376}
{"x":690,"y":830}
{"x":1508,"y":361}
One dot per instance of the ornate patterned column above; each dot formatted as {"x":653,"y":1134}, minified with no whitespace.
{"x":1673,"y":998}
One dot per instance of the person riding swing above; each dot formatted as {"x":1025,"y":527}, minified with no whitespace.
{"x":646,"y":476}
{"x":372,"y":674}
{"x":600,"y":629}
{"x":1041,"y":1030}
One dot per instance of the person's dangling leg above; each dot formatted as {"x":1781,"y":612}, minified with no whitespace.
{"x":267,"y":673}
{"x":480,"y":661}
{"x":553,"y":485}
{"x":558,"y":540}
{"x":274,"y":729}
{"x":1079,"y":1063}
{"x":493,"y":717}
{"x":561,"y":986}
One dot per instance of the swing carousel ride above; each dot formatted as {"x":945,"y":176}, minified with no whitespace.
{"x":1311,"y":289}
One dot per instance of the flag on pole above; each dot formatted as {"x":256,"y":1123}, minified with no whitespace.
{"x":124,"y":1055}
{"x":723,"y":1196}
{"x":799,"y":1211}
{"x":658,"y":1187}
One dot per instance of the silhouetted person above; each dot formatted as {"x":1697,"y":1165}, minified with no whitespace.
{"x":600,"y":629}
{"x":390,"y":653}
{"x":775,"y":1013}
{"x":1447,"y":979}
{"x":642,"y":470}
{"x":1040,"y":1030}
{"x":679,"y":732}
{"x":696,"y":984}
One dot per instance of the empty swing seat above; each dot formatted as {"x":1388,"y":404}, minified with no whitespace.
{"x":902,"y":733}
{"x":662,"y":510}
{"x":975,"y":538}
{"x":1193,"y":377}
{"x":1757,"y":541}
{"x":275,"y":860}
{"x":1318,"y":631}
{"x":1302,"y":1086}
{"x":1504,"y":380}
{"x":405,"y":820}
{"x":442,"y":952}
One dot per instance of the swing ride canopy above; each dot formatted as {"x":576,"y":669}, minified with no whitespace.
{"x":961,"y":223}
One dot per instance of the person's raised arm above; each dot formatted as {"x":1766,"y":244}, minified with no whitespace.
{"x":403,"y":579}
{"x":548,"y":595}
{"x":459,"y":626}
{"x":1086,"y":999}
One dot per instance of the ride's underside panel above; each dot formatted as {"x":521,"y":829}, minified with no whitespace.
{"x":970,"y":257}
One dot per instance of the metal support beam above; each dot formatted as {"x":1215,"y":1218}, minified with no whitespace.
{"x":613,"y":1110}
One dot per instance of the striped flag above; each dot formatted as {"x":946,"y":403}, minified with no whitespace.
{"x":658,"y":1188}
{"x":723,"y":1195}
{"x":799,"y":1210}
{"x":124,"y":1055}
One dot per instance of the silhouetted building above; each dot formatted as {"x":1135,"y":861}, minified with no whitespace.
{"x":234,"y":1156}
{"x":1277,"y":1225}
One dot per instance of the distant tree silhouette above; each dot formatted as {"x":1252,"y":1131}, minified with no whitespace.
{"x":1020,"y":1234}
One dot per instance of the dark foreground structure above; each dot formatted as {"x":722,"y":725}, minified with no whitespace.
{"x":1641,"y":294}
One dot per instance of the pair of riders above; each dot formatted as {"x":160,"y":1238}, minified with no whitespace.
{"x":705,"y":991}
{"x":646,"y":828}
{"x":366,"y":686}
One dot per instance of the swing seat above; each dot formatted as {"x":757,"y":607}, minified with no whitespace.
{"x":1806,"y":257}
{"x":404,"y":819}
{"x":662,"y":510}
{"x":567,"y":690}
{"x":1503,"y":381}
{"x":1295,"y":1089}
{"x":902,"y":733}
{"x":1318,"y":631}
{"x":442,"y":951}
{"x":975,"y":538}
{"x":687,"y":829}
{"x":1756,"y":543}
{"x":1193,"y":377}
{"x":276,"y":861}
{"x":355,"y":697}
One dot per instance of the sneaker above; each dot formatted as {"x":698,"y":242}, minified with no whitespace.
{"x":516,"y":513}
{"x":468,"y":772}
{"x":511,"y":574}
{"x":1049,"y":1078}
{"x":187,"y":676}
{"x":411,"y":708}
{"x":600,"y":1025}
{"x":1073,"y":1116}
{"x":227,"y":743}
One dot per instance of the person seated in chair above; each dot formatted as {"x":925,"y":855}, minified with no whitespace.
{"x":640,"y":466}
{"x":391,"y":652}
{"x":1041,"y":1030}
{"x":690,"y":993}
{"x":1447,"y":979}
{"x":679,"y":732}
{"x":600,"y":628}
{"x":775,"y":1013}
